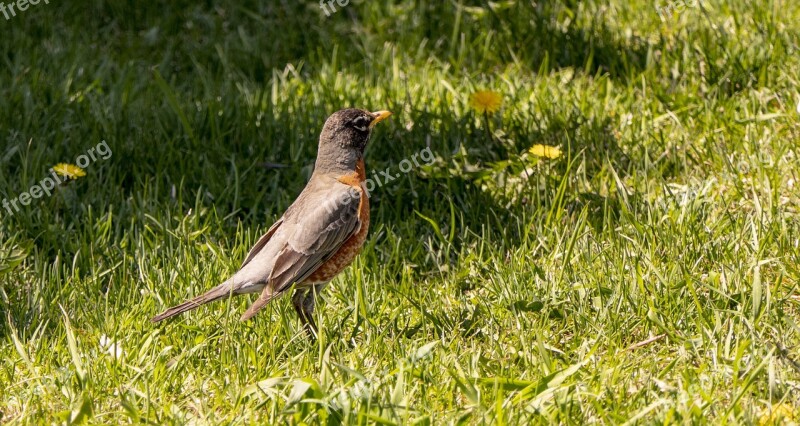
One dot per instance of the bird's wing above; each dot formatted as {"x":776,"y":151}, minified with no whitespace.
{"x":318,"y":234}
{"x":261,"y":242}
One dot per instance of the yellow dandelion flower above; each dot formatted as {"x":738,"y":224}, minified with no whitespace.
{"x":69,"y":170}
{"x":486,"y":101}
{"x":778,"y":414}
{"x":545,"y":151}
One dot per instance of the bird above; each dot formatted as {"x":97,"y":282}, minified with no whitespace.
{"x":320,"y":233}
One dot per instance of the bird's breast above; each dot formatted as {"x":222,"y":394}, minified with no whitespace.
{"x":352,"y":247}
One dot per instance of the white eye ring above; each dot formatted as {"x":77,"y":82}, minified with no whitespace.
{"x":361,"y":127}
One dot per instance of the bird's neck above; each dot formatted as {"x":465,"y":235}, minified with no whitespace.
{"x":340,"y":163}
{"x":354,"y":178}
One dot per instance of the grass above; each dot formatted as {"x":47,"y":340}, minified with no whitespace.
{"x":648,"y":276}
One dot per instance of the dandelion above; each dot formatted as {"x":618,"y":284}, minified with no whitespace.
{"x":69,"y":170}
{"x":778,"y":414}
{"x":486,"y":102}
{"x":545,"y":151}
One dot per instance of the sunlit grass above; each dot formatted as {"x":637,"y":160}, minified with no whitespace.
{"x":648,"y":273}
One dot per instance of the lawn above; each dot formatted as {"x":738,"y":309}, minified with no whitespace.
{"x":648,"y":275}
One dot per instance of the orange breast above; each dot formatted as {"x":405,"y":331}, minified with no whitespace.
{"x":350,"y":249}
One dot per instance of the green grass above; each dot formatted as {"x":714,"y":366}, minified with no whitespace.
{"x":649,"y":275}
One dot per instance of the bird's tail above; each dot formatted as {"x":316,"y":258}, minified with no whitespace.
{"x":219,"y":292}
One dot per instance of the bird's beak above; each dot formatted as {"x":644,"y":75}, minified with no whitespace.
{"x":379,"y":116}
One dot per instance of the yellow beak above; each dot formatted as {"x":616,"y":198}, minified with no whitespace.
{"x":379,"y":116}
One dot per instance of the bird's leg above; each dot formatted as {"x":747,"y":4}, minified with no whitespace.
{"x":303,"y":301}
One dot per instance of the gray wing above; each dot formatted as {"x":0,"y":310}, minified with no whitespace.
{"x":316,"y":235}
{"x":261,"y":243}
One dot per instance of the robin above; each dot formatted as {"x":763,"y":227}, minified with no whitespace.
{"x":318,"y":236}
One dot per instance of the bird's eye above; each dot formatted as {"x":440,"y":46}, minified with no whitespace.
{"x":361,"y":123}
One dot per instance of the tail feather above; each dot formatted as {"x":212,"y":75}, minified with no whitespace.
{"x":219,"y":292}
{"x":265,"y":297}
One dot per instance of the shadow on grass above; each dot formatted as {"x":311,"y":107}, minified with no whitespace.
{"x":243,"y":36}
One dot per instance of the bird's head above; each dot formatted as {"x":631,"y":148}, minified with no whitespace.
{"x":344,"y":138}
